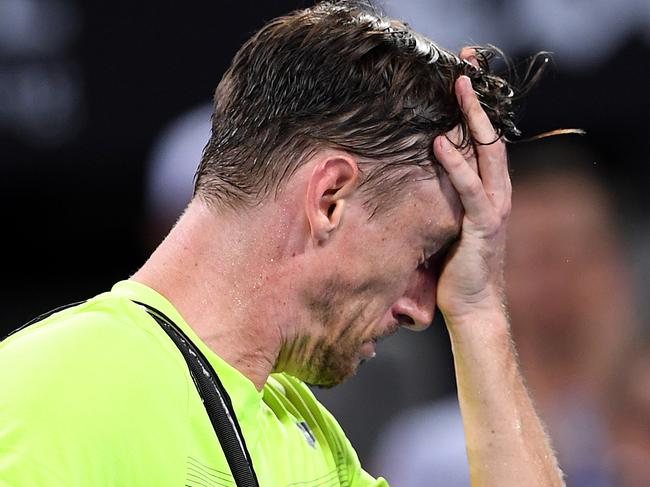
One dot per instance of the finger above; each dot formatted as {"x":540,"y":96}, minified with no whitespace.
{"x":492,"y":161}
{"x":467,"y":183}
{"x":477,"y":119}
{"x":469,"y":54}
{"x":455,"y":136}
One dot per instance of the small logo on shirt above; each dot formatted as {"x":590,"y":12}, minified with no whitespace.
{"x":306,"y":432}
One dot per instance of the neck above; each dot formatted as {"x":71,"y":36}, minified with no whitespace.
{"x":230,"y":283}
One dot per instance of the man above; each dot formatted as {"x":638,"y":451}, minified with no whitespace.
{"x":320,"y":224}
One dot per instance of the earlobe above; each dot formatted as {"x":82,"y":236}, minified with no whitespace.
{"x":332,"y":181}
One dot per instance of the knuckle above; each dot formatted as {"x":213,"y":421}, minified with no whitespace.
{"x":497,"y":153}
{"x":508,"y":187}
{"x":501,"y":151}
{"x":506,"y":208}
{"x":455,"y":161}
{"x":494,"y":221}
{"x":493,"y":158}
{"x":491,"y":225}
{"x":474,"y":109}
{"x":474,"y":186}
{"x":505,"y":212}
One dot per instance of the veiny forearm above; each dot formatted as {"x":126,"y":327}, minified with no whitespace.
{"x":506,"y":442}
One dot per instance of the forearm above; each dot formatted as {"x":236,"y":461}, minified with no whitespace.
{"x":506,"y":442}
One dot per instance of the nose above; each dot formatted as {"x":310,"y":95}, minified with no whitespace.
{"x":416,"y":307}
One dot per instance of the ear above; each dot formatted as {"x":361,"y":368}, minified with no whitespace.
{"x":332,"y":181}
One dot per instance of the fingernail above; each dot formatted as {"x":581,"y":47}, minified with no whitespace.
{"x":466,"y":81}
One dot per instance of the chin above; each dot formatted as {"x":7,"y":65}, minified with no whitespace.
{"x":325,"y":384}
{"x":328,"y":377}
{"x":325,"y":365}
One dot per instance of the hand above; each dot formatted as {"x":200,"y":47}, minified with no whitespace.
{"x":471,"y":278}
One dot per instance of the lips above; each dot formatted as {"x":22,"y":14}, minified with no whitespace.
{"x":390,"y":332}
{"x":368,"y":348}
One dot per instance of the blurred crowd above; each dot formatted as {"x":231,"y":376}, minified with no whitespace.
{"x":578,"y":263}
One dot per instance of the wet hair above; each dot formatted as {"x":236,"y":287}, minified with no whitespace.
{"x":339,"y":75}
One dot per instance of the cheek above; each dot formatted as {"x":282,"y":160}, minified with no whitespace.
{"x":340,"y":301}
{"x":380,"y":267}
{"x":417,"y":284}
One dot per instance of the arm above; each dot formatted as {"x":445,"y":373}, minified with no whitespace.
{"x":506,"y":442}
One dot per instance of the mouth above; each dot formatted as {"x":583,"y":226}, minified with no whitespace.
{"x":392,"y":329}
{"x":368,"y":347}
{"x":367,"y":350}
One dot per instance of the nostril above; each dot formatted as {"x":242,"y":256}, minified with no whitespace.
{"x":405,"y":320}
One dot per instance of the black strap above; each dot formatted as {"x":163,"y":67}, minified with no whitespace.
{"x":215,"y":399}
{"x":41,"y":317}
{"x":214,"y":396}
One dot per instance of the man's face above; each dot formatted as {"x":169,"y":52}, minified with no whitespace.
{"x":371,"y":278}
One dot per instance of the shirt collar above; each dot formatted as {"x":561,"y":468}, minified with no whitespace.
{"x":245,"y":397}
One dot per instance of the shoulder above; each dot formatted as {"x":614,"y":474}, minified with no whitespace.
{"x":88,"y":353}
{"x":97,"y":380}
{"x":98,"y":331}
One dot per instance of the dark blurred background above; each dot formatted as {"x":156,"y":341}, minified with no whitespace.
{"x":103,"y":116}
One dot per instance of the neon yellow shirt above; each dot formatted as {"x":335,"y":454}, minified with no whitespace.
{"x":98,"y":395}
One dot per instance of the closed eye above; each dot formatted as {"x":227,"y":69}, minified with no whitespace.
{"x":435,"y":260}
{"x":424,"y":262}
{"x":439,"y":257}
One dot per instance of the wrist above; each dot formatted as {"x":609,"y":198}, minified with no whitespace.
{"x":489,"y":305}
{"x":481,"y":325}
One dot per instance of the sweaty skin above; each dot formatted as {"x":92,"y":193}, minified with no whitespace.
{"x":505,"y":440}
{"x":253,"y":283}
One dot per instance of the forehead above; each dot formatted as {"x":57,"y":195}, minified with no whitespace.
{"x":432,"y":205}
